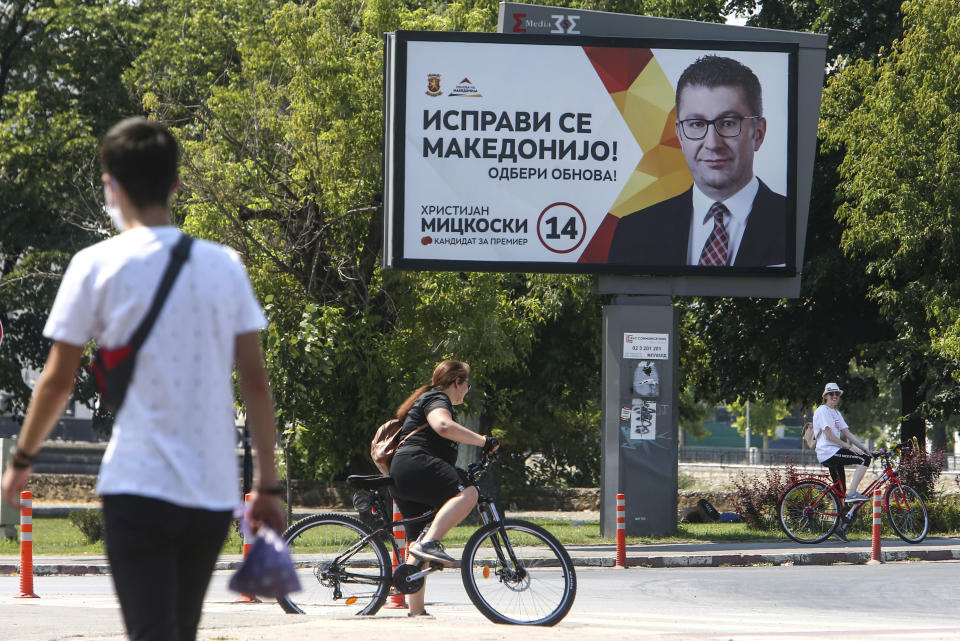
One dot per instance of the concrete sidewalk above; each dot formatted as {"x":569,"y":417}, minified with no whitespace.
{"x":693,"y":554}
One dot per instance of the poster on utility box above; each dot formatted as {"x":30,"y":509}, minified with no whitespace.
{"x":523,"y":155}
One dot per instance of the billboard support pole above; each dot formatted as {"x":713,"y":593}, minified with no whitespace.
{"x":639,"y":433}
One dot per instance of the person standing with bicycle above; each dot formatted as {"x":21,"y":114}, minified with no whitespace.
{"x":423,"y":468}
{"x":832,"y":452}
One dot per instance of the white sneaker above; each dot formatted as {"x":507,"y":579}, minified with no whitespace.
{"x":856,"y":497}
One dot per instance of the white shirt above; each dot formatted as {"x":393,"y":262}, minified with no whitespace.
{"x":827,"y":419}
{"x":739,"y":206}
{"x":174,"y":438}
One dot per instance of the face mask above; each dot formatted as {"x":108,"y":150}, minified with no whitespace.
{"x":112,"y":210}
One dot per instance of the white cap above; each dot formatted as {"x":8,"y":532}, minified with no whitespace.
{"x":831,"y":387}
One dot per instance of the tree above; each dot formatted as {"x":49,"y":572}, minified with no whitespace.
{"x":856,"y":29}
{"x":60,"y":70}
{"x":836,"y":330}
{"x":702,"y":10}
{"x":896,"y":123}
{"x":278,"y":106}
{"x":693,"y":414}
{"x":762,"y":417}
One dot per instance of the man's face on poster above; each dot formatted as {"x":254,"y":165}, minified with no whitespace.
{"x":721,"y":164}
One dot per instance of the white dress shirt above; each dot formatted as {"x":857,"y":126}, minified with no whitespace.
{"x":735,"y":222}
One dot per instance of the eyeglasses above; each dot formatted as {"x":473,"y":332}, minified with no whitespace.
{"x":467,"y":383}
{"x":726,"y":127}
{"x":832,"y":394}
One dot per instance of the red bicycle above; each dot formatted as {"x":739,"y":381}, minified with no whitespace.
{"x":812,"y":508}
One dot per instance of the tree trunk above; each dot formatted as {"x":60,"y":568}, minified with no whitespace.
{"x":939,"y":437}
{"x":914,"y":426}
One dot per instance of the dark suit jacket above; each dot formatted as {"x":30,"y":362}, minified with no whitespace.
{"x":658,"y":235}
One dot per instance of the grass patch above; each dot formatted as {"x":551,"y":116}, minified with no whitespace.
{"x":57,"y":536}
{"x":588,"y":532}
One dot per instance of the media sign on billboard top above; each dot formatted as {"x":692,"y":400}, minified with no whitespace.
{"x":528,"y":153}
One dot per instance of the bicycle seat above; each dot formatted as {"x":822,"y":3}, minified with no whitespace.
{"x":371,"y":482}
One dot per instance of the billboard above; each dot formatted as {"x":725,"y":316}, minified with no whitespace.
{"x":574,"y":154}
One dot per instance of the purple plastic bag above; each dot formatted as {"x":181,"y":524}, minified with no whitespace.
{"x":268,"y":569}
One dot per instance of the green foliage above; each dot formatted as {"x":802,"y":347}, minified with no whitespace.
{"x":685,"y":481}
{"x":875,"y":412}
{"x":60,"y":89}
{"x":876,"y":302}
{"x":703,"y":10}
{"x":764,"y":416}
{"x":855,"y":28}
{"x":279,"y":108}
{"x":545,"y":407}
{"x":694,"y":413}
{"x":281,"y":120}
{"x":895,"y":122}
{"x":944,"y":514}
{"x":90,"y":524}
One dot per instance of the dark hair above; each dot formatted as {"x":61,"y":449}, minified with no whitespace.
{"x":444,"y":374}
{"x":142,"y":155}
{"x":717,"y":71}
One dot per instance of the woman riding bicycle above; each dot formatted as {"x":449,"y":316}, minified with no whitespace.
{"x":829,"y":428}
{"x":423,"y":468}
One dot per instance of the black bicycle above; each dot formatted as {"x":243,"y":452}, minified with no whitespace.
{"x":514,"y":571}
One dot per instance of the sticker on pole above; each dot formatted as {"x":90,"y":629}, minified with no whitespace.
{"x":643,"y":423}
{"x":646,"y":346}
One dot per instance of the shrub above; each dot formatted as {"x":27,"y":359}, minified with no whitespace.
{"x":90,"y":524}
{"x":921,"y":471}
{"x":945,"y":514}
{"x":685,"y":481}
{"x":756,"y":499}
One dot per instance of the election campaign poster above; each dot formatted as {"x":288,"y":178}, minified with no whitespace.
{"x":526,"y":153}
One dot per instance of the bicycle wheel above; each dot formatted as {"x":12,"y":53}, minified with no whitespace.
{"x":907,"y":513}
{"x":340,"y":570}
{"x":808,"y":512}
{"x":525,"y":578}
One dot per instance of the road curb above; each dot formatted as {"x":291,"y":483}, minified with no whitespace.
{"x":852,"y":557}
{"x":803,"y":558}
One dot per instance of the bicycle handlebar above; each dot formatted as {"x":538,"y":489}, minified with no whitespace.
{"x":882,"y":452}
{"x":477,"y":469}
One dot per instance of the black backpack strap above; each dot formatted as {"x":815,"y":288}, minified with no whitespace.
{"x":178,"y":256}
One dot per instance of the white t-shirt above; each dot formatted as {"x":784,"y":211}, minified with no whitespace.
{"x":827,"y":419}
{"x":174,"y":438}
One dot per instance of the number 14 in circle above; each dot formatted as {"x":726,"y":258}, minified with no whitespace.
{"x":561,"y":228}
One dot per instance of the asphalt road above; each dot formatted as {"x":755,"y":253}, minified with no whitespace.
{"x":903,"y":601}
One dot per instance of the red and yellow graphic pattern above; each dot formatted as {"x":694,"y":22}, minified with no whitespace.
{"x":646,"y":100}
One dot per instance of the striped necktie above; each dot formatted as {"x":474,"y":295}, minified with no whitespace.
{"x":716,"y":249}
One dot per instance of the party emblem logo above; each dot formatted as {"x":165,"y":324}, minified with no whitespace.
{"x":433,"y":84}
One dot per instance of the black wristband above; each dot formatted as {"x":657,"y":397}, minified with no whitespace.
{"x":270,"y":490}
{"x":21,"y":460}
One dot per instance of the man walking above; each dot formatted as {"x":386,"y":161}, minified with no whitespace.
{"x":169,"y":475}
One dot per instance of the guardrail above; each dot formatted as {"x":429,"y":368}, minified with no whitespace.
{"x":84,"y":458}
{"x":757,"y":456}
